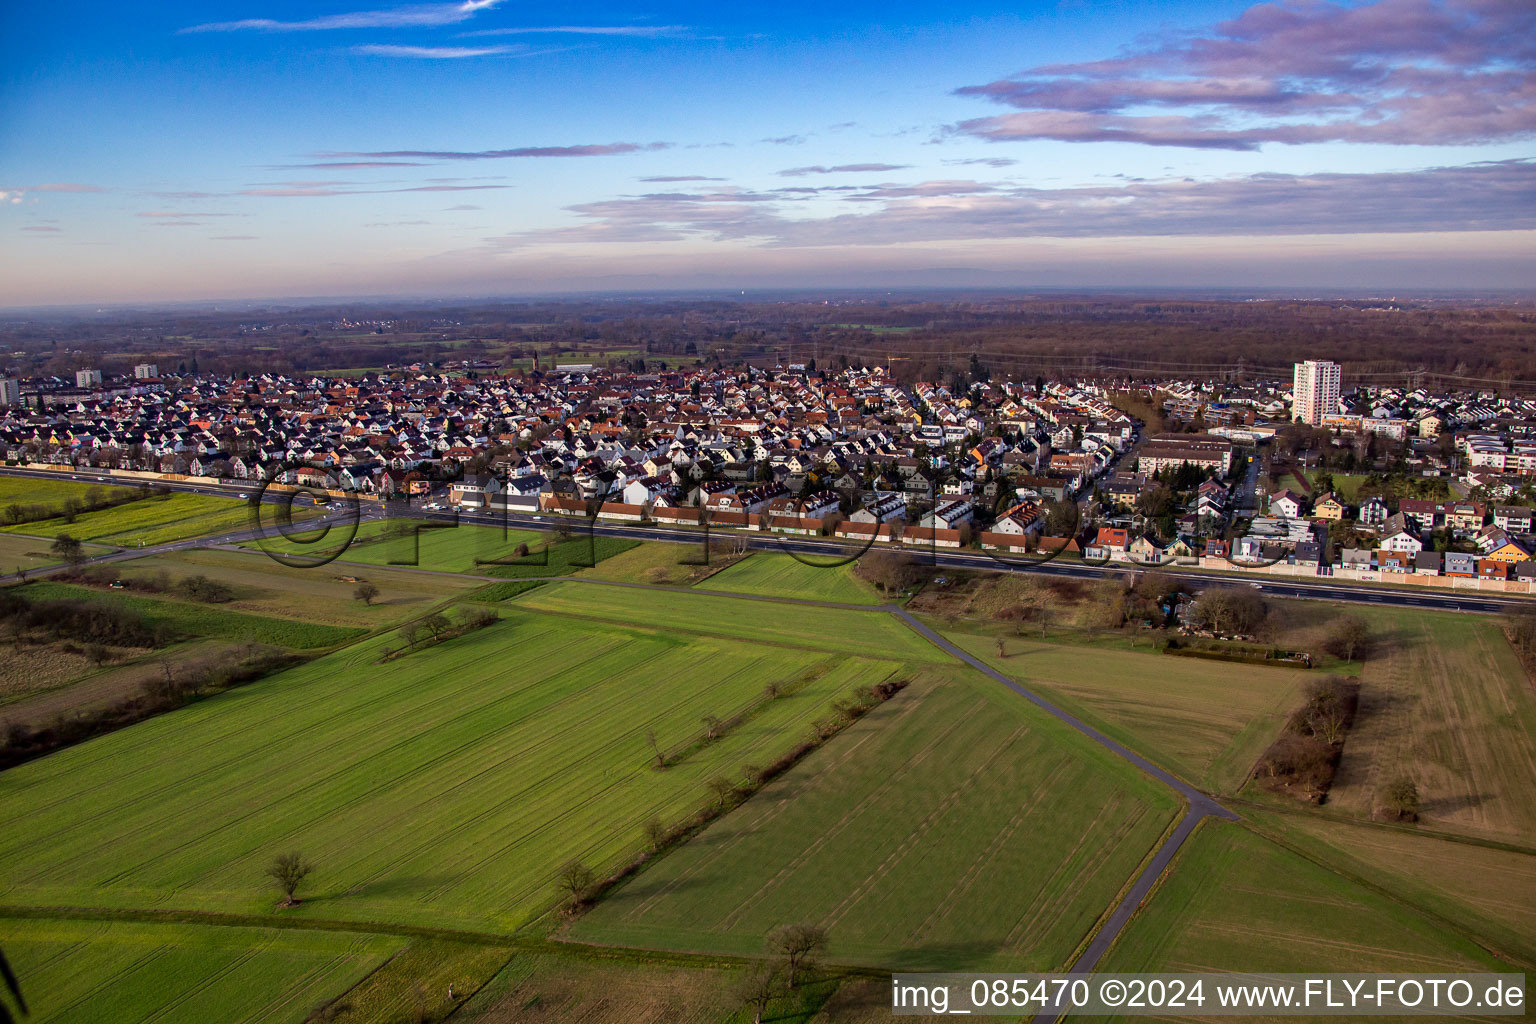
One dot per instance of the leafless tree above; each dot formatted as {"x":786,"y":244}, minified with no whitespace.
{"x":758,"y":988}
{"x":576,"y":883}
{"x":798,"y":945}
{"x":724,"y":790}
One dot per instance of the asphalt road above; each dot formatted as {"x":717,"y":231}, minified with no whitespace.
{"x":1315,"y":588}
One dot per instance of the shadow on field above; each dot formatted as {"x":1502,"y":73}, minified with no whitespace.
{"x":955,"y":956}
{"x":1451,"y":804}
{"x":640,"y":889}
{"x":396,"y":885}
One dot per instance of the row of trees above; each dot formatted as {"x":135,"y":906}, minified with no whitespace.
{"x":1303,"y":759}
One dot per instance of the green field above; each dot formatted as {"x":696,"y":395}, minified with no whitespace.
{"x":264,"y":586}
{"x":206,"y":620}
{"x":89,"y":971}
{"x":660,"y":562}
{"x":150,"y":521}
{"x":17,"y":551}
{"x":1207,"y":721}
{"x":1233,"y":901}
{"x":475,"y":550}
{"x":955,"y":827}
{"x":419,"y":545}
{"x":27,"y":490}
{"x":781,"y":575}
{"x":1486,"y":889}
{"x":441,"y":788}
{"x":848,"y":631}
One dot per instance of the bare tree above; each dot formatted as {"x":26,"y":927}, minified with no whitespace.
{"x":723,"y":788}
{"x":576,"y":883}
{"x":437,"y":624}
{"x":661,"y":756}
{"x":365,"y":593}
{"x":1348,"y":637}
{"x":758,"y":988}
{"x":711,"y":727}
{"x":411,"y":632}
{"x":798,"y":945}
{"x":655,"y":833}
{"x":1402,"y":798}
{"x":289,"y":870}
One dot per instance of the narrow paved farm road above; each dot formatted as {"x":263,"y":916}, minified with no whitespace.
{"x":1201,"y":806}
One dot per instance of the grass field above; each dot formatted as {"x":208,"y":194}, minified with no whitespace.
{"x":955,"y":827}
{"x":847,"y":631}
{"x":1206,"y":721}
{"x":88,"y":971}
{"x":264,"y":586}
{"x":780,"y":575}
{"x":474,"y":550}
{"x":438,"y":789}
{"x":189,"y":618}
{"x":30,"y":490}
{"x":659,"y":562}
{"x":1235,"y":902}
{"x":1445,"y":701}
{"x":17,"y":551}
{"x":1489,"y":891}
{"x":156,"y":520}
{"x":445,"y":548}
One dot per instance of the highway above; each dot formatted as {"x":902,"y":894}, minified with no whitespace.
{"x":1312,"y":588}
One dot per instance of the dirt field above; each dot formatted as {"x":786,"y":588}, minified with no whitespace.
{"x":552,"y":990}
{"x":92,"y":687}
{"x":1445,"y":701}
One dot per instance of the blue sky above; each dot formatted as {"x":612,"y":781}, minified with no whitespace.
{"x":258,"y":148}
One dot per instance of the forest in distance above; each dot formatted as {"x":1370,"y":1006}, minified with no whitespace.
{"x":1470,"y":341}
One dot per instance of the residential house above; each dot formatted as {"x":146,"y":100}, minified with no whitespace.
{"x":1512,"y":518}
{"x":948,"y":515}
{"x":1374,"y":512}
{"x":883,"y":509}
{"x":1464,"y":517}
{"x":1397,"y":535}
{"x":1329,"y":508}
{"x":1287,"y":503}
{"x":1460,"y":564}
{"x":1109,"y":543}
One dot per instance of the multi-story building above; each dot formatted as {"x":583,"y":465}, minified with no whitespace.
{"x":10,"y":391}
{"x":87,"y":378}
{"x":1162,"y":451}
{"x":1315,"y":391}
{"x":145,"y":371}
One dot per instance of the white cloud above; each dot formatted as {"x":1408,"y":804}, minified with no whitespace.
{"x":433,"y":52}
{"x":415,"y":16}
